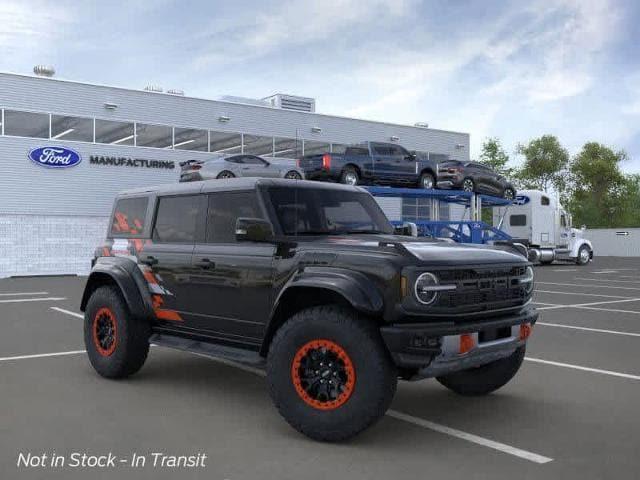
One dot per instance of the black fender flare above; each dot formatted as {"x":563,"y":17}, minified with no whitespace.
{"x":355,"y":287}
{"x":124,"y":272}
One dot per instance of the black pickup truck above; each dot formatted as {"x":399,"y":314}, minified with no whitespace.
{"x":373,"y":163}
{"x":311,"y":281}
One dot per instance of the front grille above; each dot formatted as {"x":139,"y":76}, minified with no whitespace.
{"x":481,"y":289}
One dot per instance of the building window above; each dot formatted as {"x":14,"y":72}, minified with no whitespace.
{"x":312,"y":147}
{"x":416,"y":209}
{"x":257,"y":145}
{"x":157,"y":136}
{"x":114,"y":133}
{"x":287,"y":148}
{"x":26,"y":124}
{"x":225,"y":142}
{"x":71,"y":128}
{"x":191,"y":139}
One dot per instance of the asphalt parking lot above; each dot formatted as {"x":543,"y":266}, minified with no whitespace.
{"x":571,"y":412}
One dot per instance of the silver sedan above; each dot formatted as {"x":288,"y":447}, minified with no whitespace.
{"x":243,"y":165}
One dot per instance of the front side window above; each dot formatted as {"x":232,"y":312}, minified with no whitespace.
{"x":26,"y":124}
{"x":224,"y":210}
{"x":316,"y":211}
{"x":176,"y":219}
{"x":128,"y":217}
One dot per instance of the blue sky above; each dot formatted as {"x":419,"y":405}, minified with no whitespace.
{"x":514,"y":70}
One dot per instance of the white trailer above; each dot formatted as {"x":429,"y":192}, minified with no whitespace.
{"x":539,"y":222}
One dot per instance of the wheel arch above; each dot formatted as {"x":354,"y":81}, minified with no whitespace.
{"x":430,"y":171}
{"x":310,"y":289}
{"x":124,"y":275}
{"x":354,"y":166}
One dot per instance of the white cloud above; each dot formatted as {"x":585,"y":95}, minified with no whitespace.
{"x":26,"y":25}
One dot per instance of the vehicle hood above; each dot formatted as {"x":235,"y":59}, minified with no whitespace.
{"x":431,"y":251}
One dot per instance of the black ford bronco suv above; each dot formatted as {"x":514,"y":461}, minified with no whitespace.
{"x":308,"y":280}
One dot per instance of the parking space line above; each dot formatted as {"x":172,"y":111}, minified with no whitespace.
{"x":42,"y":355}
{"x":589,"y":286}
{"x":68,"y":312}
{"x":565,"y":270}
{"x":17,"y":294}
{"x":608,"y":280}
{"x":614,"y":310}
{"x":469,"y":437}
{"x":40,"y":299}
{"x":587,"y":329}
{"x":580,"y":293}
{"x":586,"y":305}
{"x":541,"y":303}
{"x":584,"y":369}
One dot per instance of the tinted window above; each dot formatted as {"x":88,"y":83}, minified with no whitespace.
{"x":308,"y":211}
{"x":26,"y":124}
{"x":314,"y":148}
{"x":518,"y":220}
{"x":250,"y":160}
{"x":287,"y":148}
{"x":224,"y":209}
{"x":176,"y":219}
{"x":357,"y":151}
{"x":257,"y":145}
{"x":129,"y":215}
{"x":114,"y":133}
{"x":381,"y":150}
{"x":224,"y":142}
{"x":191,"y":139}
{"x":544,"y":201}
{"x":71,"y":128}
{"x":338,"y":148}
{"x":397,"y":151}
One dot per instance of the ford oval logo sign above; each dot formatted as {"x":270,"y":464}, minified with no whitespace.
{"x":521,"y":200}
{"x":55,"y":157}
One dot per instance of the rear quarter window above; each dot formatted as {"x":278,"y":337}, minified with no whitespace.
{"x":129,"y":216}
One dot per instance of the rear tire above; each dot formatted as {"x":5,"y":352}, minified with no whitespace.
{"x":117,"y":343}
{"x":468,"y":185}
{"x":427,"y":181}
{"x":508,"y":194}
{"x":485,"y":379}
{"x":329,"y":338}
{"x":225,"y":174}
{"x":349,"y":176}
{"x":293,"y":175}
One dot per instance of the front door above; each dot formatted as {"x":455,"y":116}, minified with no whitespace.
{"x":168,"y":260}
{"x":253,"y":166}
{"x":231,"y":293}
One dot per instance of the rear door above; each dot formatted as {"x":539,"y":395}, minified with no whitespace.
{"x":178,"y":225}
{"x":233,"y":280}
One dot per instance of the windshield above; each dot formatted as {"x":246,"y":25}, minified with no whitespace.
{"x":322,"y":211}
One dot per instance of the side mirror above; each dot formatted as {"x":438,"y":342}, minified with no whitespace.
{"x":407,"y":229}
{"x":253,"y":230}
{"x":583,"y":227}
{"x":411,"y":156}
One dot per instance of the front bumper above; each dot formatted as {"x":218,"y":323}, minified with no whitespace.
{"x":432,"y":349}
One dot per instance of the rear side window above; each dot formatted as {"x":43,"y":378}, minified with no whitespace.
{"x":128,"y":218}
{"x":224,"y":210}
{"x":518,"y":220}
{"x":176,"y":219}
{"x":357,"y":151}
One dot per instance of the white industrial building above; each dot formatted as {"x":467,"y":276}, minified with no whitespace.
{"x":51,"y":219}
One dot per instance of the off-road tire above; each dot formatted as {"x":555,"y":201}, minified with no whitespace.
{"x":424,"y":178}
{"x":131,"y":344}
{"x":579,"y":260}
{"x":374,"y":372}
{"x":485,"y":379}
{"x":346,"y":172}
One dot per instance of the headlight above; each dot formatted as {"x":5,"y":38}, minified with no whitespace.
{"x":527,"y":280}
{"x":427,"y":287}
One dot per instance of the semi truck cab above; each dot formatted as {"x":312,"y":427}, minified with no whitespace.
{"x":538,"y":221}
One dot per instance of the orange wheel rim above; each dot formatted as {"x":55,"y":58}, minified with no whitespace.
{"x":323,"y":374}
{"x":105,"y":330}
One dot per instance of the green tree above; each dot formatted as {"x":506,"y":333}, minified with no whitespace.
{"x":545,"y":164}
{"x":601,"y":194}
{"x":494,"y":156}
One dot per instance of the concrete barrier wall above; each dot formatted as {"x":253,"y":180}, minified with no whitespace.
{"x":615,"y":242}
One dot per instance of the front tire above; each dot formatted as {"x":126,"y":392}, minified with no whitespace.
{"x":293,"y":175}
{"x":485,"y":379}
{"x":117,"y":343}
{"x":329,"y":374}
{"x":468,"y":185}
{"x":584,"y":255}
{"x":225,"y":174}
{"x":508,"y":194}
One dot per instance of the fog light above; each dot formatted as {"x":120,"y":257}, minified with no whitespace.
{"x":525,"y":331}
{"x":466,"y":343}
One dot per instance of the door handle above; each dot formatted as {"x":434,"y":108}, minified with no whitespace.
{"x":205,"y":263}
{"x":150,"y":260}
